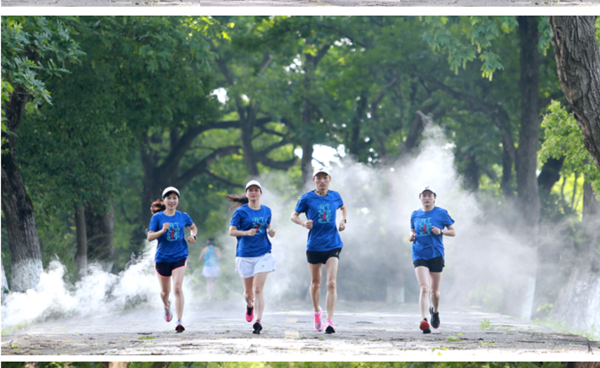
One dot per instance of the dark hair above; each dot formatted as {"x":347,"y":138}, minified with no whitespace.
{"x":237,"y":200}
{"x":210,"y":241}
{"x":157,"y":206}
{"x":168,"y":193}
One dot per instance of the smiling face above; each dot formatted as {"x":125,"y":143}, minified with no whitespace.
{"x":171,"y":201}
{"x":253,"y":193}
{"x":427,"y":198}
{"x":322,"y":181}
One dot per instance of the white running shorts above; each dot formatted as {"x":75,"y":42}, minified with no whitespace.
{"x":249,"y":266}
{"x":212,"y":272}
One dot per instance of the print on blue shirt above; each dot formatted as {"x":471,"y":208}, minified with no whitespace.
{"x":324,"y":213}
{"x":259,"y":224}
{"x":423,"y":226}
{"x":174,"y":232}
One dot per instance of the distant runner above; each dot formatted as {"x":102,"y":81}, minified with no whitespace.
{"x":168,"y":225}
{"x":324,"y":243}
{"x":427,"y":229}
{"x":250,"y":224}
{"x":211,"y":270}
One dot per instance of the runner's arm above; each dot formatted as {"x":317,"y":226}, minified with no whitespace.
{"x":450,"y":231}
{"x":297,"y":220}
{"x":153,"y":235}
{"x":344,"y":213}
{"x":233,"y":231}
{"x":218,"y":253}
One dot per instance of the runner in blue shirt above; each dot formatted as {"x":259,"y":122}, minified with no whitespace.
{"x":211,"y":270}
{"x":427,"y":227}
{"x":324,"y":243}
{"x":168,"y":225}
{"x":250,"y":224}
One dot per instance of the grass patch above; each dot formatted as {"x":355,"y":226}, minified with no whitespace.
{"x":146,"y":338}
{"x":592,"y":333}
{"x":485,"y":325}
{"x":9,"y":330}
{"x":453,"y":338}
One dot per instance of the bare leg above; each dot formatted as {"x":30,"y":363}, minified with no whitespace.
{"x":259,"y":284}
{"x":178,"y":274}
{"x":424,"y":281}
{"x":331,"y":268}
{"x":315,"y":284}
{"x":165,"y":288}
{"x":248,"y":291}
{"x":436,"y":279}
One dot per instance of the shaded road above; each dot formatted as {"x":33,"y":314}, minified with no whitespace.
{"x":277,"y":3}
{"x":365,"y":331}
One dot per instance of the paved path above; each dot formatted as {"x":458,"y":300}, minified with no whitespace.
{"x":366,"y":331}
{"x":277,"y":3}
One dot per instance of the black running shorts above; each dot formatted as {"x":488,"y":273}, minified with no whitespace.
{"x":435,"y":264}
{"x":322,"y":257}
{"x":165,"y":269}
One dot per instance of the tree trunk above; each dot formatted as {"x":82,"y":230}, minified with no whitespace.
{"x":23,"y":240}
{"x":526,"y":159}
{"x":4,"y":280}
{"x":578,"y":62}
{"x":80,"y":235}
{"x":471,"y":173}
{"x":99,"y":232}
{"x":307,"y":137}
{"x":528,"y":199}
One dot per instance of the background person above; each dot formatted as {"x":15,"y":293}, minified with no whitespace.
{"x":324,"y":243}
{"x":427,"y":230}
{"x":211,"y":270}
{"x":250,"y":224}
{"x":168,"y":225}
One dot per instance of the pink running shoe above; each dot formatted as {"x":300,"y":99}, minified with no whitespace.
{"x":318,"y":323}
{"x":329,"y":329}
{"x":249,"y":313}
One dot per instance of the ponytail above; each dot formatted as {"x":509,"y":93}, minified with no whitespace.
{"x":157,"y":206}
{"x":237,"y":200}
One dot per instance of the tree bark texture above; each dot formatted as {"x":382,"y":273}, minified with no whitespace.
{"x":526,"y":158}
{"x":4,"y":280}
{"x":81,"y":257}
{"x":99,"y":232}
{"x":578,"y":63}
{"x":23,"y":240}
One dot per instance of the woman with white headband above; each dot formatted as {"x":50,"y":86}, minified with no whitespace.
{"x":428,"y":227}
{"x":168,"y":226}
{"x":250,"y":224}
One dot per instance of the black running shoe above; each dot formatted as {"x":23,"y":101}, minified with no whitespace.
{"x":330,"y":329}
{"x":179,"y":328}
{"x":257,"y":327}
{"x":426,"y":330}
{"x":435,"y":318}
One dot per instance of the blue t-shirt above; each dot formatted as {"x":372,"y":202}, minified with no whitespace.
{"x":245,"y":218}
{"x":211,"y":258}
{"x":172,"y":245}
{"x":324,"y":234}
{"x":427,"y":245}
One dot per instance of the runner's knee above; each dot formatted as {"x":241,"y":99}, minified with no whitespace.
{"x":331,"y":284}
{"x":178,"y":290}
{"x":424,"y":289}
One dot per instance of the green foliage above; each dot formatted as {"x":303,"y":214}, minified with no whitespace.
{"x":563,"y":138}
{"x":34,"y":48}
